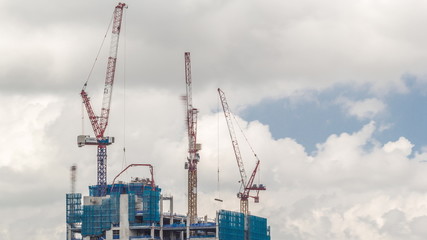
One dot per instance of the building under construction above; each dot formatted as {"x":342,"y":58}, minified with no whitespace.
{"x":136,"y":209}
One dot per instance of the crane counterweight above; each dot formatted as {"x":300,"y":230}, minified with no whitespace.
{"x":83,"y":140}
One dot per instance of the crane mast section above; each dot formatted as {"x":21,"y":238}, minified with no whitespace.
{"x":227,"y":114}
{"x":188,"y":81}
{"x":193,"y":135}
{"x":191,"y":115}
{"x":193,"y":147}
{"x":73,"y":178}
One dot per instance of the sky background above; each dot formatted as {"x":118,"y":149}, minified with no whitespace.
{"x":330,"y":94}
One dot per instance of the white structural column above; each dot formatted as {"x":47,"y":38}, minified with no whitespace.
{"x":124,"y":217}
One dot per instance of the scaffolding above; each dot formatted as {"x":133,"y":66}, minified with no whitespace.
{"x":150,"y":204}
{"x":74,"y":208}
{"x":231,"y":225}
{"x":132,"y":208}
{"x":99,"y":215}
{"x":98,"y":218}
{"x":258,"y":229}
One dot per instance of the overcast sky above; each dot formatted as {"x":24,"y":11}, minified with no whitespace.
{"x":331,"y":95}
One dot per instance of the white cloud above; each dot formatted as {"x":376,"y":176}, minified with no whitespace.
{"x":402,"y":146}
{"x":363,"y":109}
{"x":346,"y":191}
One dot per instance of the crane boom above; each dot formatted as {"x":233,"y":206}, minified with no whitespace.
{"x":92,"y":117}
{"x":247,"y":185}
{"x":227,"y":114}
{"x":99,"y":124}
{"x":111,"y":67}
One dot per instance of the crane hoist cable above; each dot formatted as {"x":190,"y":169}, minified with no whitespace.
{"x":218,"y":165}
{"x":249,"y":144}
{"x":124,"y":162}
{"x":243,"y":134}
{"x":99,"y":51}
{"x":93,"y":66}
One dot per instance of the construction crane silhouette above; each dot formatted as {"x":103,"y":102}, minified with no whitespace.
{"x":99,"y":123}
{"x":247,"y":185}
{"x":193,"y":147}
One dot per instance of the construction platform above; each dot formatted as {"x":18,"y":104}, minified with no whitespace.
{"x":135,"y":211}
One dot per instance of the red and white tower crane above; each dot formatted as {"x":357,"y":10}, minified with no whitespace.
{"x":247,"y":185}
{"x":99,"y":123}
{"x":193,"y":147}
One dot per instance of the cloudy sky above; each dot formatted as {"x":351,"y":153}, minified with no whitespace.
{"x":329,"y":93}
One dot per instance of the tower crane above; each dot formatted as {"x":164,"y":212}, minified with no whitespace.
{"x":99,"y":123}
{"x":193,"y":147}
{"x":247,"y":185}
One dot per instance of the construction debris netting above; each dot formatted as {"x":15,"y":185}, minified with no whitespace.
{"x":258,"y":229}
{"x":232,"y":226}
{"x":98,"y":218}
{"x":74,"y":207}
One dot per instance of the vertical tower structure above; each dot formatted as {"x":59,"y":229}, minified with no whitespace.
{"x":99,"y":123}
{"x":73,"y":178}
{"x":193,"y":148}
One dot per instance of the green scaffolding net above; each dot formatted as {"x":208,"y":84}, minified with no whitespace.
{"x":150,"y":206}
{"x":231,"y":225}
{"x":98,"y":218}
{"x":258,"y":229}
{"x":74,"y":207}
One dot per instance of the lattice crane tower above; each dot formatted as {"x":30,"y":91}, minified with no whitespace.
{"x":193,"y":147}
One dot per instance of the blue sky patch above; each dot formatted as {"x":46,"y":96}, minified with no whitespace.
{"x":313,"y":119}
